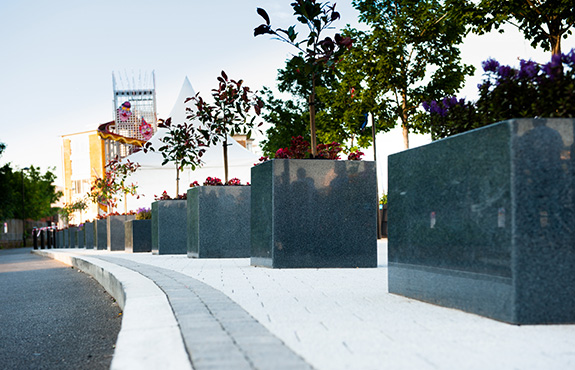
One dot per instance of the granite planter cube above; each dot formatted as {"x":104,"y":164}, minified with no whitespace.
{"x":116,"y":231}
{"x":73,"y":235}
{"x":138,"y":236}
{"x":169,"y":235}
{"x":483,"y":222}
{"x":314,"y":213}
{"x":101,"y":234}
{"x":219,"y":222}
{"x":89,"y":235}
{"x":60,"y":239}
{"x":81,"y":237}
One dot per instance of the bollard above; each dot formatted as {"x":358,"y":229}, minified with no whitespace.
{"x":42,"y":238}
{"x":35,"y":237}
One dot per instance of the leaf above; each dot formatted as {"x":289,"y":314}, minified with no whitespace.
{"x":263,"y":29}
{"x":224,"y":75}
{"x":264,"y":15}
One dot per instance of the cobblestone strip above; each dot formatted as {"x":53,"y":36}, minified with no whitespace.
{"x":218,"y":333}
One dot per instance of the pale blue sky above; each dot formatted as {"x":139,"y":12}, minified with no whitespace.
{"x":57,"y":58}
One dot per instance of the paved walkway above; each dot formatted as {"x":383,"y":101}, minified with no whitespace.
{"x":233,"y":315}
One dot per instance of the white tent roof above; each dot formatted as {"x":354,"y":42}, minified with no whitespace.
{"x":152,"y":178}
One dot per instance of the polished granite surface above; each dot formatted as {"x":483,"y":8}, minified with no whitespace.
{"x":219,"y":222}
{"x":483,"y":221}
{"x":169,"y":234}
{"x":314,"y":213}
{"x":138,"y":234}
{"x":116,"y":232}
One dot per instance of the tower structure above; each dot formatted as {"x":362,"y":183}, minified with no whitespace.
{"x":135,"y":116}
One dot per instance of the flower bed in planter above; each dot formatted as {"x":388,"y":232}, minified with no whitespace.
{"x":314,"y":213}
{"x":483,"y":222}
{"x":115,"y":231}
{"x":169,"y":234}
{"x":218,"y":222}
{"x":138,"y":236}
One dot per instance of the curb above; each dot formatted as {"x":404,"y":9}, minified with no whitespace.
{"x":150,"y":336}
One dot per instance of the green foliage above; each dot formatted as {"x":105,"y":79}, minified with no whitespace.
{"x":70,"y":208}
{"x":318,"y":56}
{"x":288,"y":118}
{"x":544,"y":23}
{"x":410,"y":55}
{"x":183,"y":145}
{"x":506,"y":93}
{"x":105,"y":190}
{"x":27,"y":194}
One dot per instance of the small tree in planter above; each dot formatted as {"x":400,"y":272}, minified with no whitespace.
{"x":105,"y":189}
{"x":229,"y":115}
{"x":317,"y":56}
{"x":184,"y":145}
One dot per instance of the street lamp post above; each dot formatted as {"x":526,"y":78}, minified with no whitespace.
{"x":23,"y":218}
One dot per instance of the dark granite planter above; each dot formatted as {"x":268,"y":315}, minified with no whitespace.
{"x":73,"y":237}
{"x":89,"y":235}
{"x":60,"y":239}
{"x":101,"y":234}
{"x":65,"y":238}
{"x":138,"y":236}
{"x":116,"y":231}
{"x":80,"y":237}
{"x":169,"y":234}
{"x":314,"y":213}
{"x":483,"y":222}
{"x":219,"y":222}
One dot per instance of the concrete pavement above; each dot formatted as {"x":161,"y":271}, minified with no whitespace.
{"x":224,"y":313}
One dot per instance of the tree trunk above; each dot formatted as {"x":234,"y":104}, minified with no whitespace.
{"x":312,"y":118}
{"x":404,"y":119}
{"x":226,"y":159}
{"x":177,"y":180}
{"x":554,"y":33}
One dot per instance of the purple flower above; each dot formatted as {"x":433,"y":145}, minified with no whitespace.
{"x":437,"y":109}
{"x":571,"y":56}
{"x":425,"y":106}
{"x":505,"y":71}
{"x":490,"y":65}
{"x":553,"y":68}
{"x":528,"y":69}
{"x":450,"y":102}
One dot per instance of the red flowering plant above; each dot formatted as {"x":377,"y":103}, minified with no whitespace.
{"x":213,"y":181}
{"x":355,"y":156}
{"x":165,"y":196}
{"x":300,"y":149}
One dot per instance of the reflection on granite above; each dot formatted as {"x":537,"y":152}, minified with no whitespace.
{"x":138,"y":236}
{"x":169,"y":234}
{"x":219,"y":222}
{"x":101,"y":233}
{"x":483,"y":222}
{"x":116,"y":232}
{"x":314,"y":213}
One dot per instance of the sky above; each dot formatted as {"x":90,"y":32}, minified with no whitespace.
{"x":57,"y":60}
